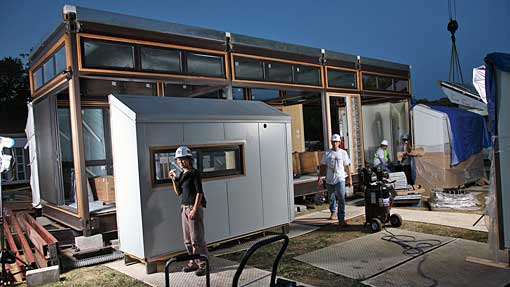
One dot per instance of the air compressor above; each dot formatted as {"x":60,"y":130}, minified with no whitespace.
{"x":379,"y":195}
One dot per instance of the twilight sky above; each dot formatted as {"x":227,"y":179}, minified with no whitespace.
{"x":409,"y":32}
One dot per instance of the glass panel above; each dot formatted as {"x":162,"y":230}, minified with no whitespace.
{"x":137,"y":88}
{"x":60,"y":60}
{"x":238,"y":93}
{"x":164,"y":161}
{"x":264,"y":95}
{"x":101,"y":54}
{"x":96,"y":170}
{"x":160,"y":60}
{"x":93,"y":134}
{"x":342,"y":79}
{"x":219,"y":160}
{"x":401,"y":86}
{"x":102,"y":88}
{"x":38,"y":78}
{"x":248,"y":69}
{"x":183,"y":91}
{"x":385,"y":84}
{"x":49,"y":70}
{"x":219,"y":94}
{"x":307,"y":75}
{"x":205,"y":65}
{"x":278,"y":72}
{"x":64,"y":131}
{"x":369,"y":82}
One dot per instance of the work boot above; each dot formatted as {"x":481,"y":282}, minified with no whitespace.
{"x":190,"y":268}
{"x":200,"y":271}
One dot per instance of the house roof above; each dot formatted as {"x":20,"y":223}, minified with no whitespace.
{"x":171,"y":109}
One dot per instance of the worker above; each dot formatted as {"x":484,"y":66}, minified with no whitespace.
{"x":405,"y":148}
{"x":188,"y":185}
{"x":336,"y":163}
{"x":381,"y":156}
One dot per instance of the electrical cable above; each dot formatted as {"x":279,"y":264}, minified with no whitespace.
{"x":418,"y":249}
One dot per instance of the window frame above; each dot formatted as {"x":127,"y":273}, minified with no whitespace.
{"x":40,"y":67}
{"x":199,"y":149}
{"x":137,"y":58}
{"x":265,"y":61}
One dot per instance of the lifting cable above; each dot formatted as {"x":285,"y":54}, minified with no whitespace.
{"x":452,"y":27}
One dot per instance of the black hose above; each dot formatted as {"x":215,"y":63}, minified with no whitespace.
{"x":416,"y":250}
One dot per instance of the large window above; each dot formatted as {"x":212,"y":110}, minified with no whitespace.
{"x":100,"y":54}
{"x":164,"y":60}
{"x":246,"y":68}
{"x":98,"y":161}
{"x":211,"y":161}
{"x":342,"y":79}
{"x":264,"y":95}
{"x":205,"y":65}
{"x":145,"y":58}
{"x":100,"y":89}
{"x":307,"y":75}
{"x":385,"y":83}
{"x":278,"y":72}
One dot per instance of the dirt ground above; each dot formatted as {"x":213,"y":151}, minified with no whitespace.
{"x":99,"y":276}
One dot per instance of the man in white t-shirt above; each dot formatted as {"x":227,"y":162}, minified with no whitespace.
{"x":337,"y":162}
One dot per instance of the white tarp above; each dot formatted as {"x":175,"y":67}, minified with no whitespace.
{"x":479,"y":82}
{"x":32,"y":149}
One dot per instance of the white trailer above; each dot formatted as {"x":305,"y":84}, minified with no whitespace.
{"x":242,"y":148}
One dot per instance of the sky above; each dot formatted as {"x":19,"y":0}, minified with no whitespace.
{"x":403,"y":31}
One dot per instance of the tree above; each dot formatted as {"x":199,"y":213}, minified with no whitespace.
{"x":14,"y":93}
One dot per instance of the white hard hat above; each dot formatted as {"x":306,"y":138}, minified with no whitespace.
{"x":336,"y":138}
{"x":183,"y":151}
{"x":384,"y":142}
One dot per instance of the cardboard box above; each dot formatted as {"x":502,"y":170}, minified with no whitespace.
{"x":309,"y":162}
{"x":104,"y":188}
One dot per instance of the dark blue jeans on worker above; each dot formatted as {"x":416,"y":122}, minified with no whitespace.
{"x":336,"y":193}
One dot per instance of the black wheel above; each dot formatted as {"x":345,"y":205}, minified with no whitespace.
{"x":375,"y":225}
{"x":395,"y":220}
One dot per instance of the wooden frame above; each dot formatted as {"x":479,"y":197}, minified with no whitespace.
{"x":79,"y":37}
{"x":234,"y":80}
{"x":350,"y":126}
{"x":241,"y":144}
{"x":356,"y":72}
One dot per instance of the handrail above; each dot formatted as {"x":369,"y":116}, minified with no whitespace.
{"x":254,"y":248}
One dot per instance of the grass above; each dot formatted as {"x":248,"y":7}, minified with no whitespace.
{"x":96,"y":276}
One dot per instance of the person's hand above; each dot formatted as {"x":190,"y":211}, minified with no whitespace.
{"x":349,"y":182}
{"x":193,"y":214}
{"x":320,"y":181}
{"x":172,"y":174}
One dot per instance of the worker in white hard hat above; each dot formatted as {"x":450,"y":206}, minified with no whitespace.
{"x":336,"y":162}
{"x":381,"y":156}
{"x":188,"y":185}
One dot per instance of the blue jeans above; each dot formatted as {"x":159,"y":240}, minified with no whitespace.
{"x":336,"y":192}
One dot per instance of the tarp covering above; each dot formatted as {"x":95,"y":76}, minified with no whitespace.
{"x":479,"y":82}
{"x":500,"y":61}
{"x":468,"y":133}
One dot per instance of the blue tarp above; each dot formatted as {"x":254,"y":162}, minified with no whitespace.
{"x":468,"y":133}
{"x":493,"y":61}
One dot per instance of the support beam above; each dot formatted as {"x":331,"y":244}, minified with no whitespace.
{"x":76,"y":125}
